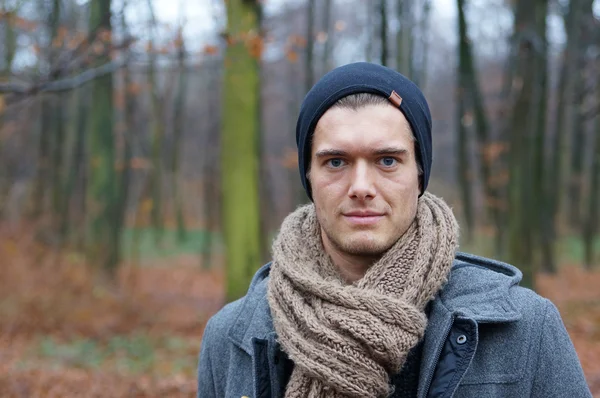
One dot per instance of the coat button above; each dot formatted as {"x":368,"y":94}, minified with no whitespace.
{"x":462,"y":339}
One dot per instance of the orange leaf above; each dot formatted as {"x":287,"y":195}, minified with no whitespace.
{"x":255,"y":46}
{"x":24,"y":24}
{"x":322,"y":37}
{"x":211,"y":50}
{"x":139,"y":164}
{"x":105,"y":35}
{"x":297,"y":40}
{"x":178,"y":42}
{"x":97,"y":48}
{"x":292,"y":56}
{"x":134,"y":88}
{"x":340,"y":26}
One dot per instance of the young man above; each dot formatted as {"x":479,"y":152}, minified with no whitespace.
{"x":366,"y":295}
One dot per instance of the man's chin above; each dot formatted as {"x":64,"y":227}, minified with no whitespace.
{"x":364,"y":247}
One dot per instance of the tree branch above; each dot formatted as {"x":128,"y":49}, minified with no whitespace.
{"x":65,"y":84}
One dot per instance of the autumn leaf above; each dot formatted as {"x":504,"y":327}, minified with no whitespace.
{"x":72,"y":43}
{"x":292,"y":56}
{"x":340,"y":26}
{"x":138,"y":163}
{"x":492,"y":151}
{"x":119,"y":99}
{"x":178,"y":41}
{"x":322,"y":37}
{"x":210,"y":50}
{"x":255,"y":46}
{"x":24,"y":24}
{"x":97,"y":48}
{"x":297,"y":40}
{"x":105,"y":35}
{"x":62,"y":33}
{"x":146,"y":206}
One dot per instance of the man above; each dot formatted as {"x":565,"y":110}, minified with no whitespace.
{"x":366,"y":296}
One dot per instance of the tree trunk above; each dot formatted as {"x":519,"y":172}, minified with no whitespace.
{"x":76,"y":164}
{"x":593,"y":217}
{"x":102,"y":177}
{"x":383,"y":32}
{"x":522,"y":124}
{"x":540,"y":210}
{"x":9,"y":50}
{"x":578,"y":135}
{"x":557,"y":161}
{"x":42,"y":178}
{"x":124,"y":180}
{"x":51,"y":132}
{"x":240,"y":138}
{"x":482,"y":130}
{"x":328,"y":45}
{"x":178,"y":123}
{"x":157,"y":133}
{"x":462,"y":92}
{"x":369,"y":29}
{"x":425,"y":21}
{"x":577,"y":150}
{"x":310,"y":41}
{"x":404,"y":39}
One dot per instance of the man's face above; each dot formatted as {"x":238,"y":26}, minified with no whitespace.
{"x":364,"y":178}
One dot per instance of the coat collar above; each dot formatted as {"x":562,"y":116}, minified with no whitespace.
{"x":254,"y":317}
{"x":478,"y":288}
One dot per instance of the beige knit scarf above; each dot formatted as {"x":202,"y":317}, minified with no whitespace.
{"x":347,"y":340}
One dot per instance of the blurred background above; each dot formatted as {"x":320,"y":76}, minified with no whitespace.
{"x":147,"y":159}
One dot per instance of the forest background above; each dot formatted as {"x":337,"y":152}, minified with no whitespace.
{"x":147,"y":159}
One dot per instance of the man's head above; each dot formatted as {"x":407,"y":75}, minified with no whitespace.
{"x":364,"y":175}
{"x":364,"y":150}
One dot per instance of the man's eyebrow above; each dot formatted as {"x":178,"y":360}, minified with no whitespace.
{"x":378,"y":152}
{"x":330,"y":152}
{"x":390,"y":151}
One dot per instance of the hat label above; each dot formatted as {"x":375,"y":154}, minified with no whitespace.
{"x":395,"y":98}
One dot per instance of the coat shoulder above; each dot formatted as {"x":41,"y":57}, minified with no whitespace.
{"x":222,"y":321}
{"x":489,"y":290}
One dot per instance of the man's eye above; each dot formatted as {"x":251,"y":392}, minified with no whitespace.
{"x":388,"y":162}
{"x":335,"y":163}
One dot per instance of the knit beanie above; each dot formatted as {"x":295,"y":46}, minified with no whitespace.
{"x":364,"y":77}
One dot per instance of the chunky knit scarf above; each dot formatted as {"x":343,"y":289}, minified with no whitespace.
{"x":346,"y":340}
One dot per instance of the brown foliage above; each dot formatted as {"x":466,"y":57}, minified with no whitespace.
{"x":44,"y":294}
{"x":210,"y":50}
{"x":575,"y":292}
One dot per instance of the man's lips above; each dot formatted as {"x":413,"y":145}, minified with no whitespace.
{"x":363,"y":217}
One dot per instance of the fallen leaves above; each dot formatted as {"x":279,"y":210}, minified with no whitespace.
{"x":65,"y":331}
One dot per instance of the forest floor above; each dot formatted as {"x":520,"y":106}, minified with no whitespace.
{"x":66,"y":331}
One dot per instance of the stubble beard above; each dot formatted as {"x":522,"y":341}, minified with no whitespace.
{"x":357,"y":246}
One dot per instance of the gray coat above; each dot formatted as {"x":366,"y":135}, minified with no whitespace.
{"x":486,"y":337}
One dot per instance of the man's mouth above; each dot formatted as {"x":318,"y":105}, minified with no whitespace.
{"x":363,"y":217}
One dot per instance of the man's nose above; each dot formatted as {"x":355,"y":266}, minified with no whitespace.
{"x":362,"y":185}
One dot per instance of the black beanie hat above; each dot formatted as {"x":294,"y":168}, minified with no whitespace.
{"x":363,"y":77}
